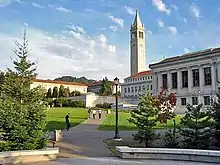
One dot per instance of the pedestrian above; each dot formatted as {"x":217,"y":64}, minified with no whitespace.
{"x":89,"y":113}
{"x":93,"y":113}
{"x":100,"y":114}
{"x":67,"y":122}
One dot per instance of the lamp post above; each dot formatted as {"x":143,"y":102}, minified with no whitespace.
{"x":117,"y":136}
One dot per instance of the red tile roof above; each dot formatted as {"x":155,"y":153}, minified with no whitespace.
{"x":144,"y":73}
{"x":59,"y":82}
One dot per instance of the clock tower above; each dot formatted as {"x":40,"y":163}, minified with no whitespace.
{"x":137,"y":46}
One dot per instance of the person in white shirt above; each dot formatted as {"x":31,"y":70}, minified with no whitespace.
{"x":93,"y":113}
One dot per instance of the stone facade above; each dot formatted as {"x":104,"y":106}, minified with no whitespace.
{"x":51,"y":84}
{"x":192,"y":76}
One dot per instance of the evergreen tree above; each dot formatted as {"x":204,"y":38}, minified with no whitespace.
{"x":67,"y":92}
{"x":61,"y":91}
{"x":106,"y":87}
{"x":55,"y":92}
{"x":215,"y":109}
{"x":23,"y":116}
{"x":49,"y":93}
{"x":196,"y":130}
{"x":145,"y":119}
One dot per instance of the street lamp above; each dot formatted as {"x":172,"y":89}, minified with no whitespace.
{"x":117,"y":136}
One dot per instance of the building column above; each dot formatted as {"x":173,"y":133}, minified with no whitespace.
{"x":179,"y":81}
{"x":154,"y":83}
{"x":169,"y":81}
{"x":159,"y":75}
{"x":190,"y":79}
{"x":213,"y":76}
{"x":201,"y":78}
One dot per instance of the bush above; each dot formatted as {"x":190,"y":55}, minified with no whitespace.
{"x":78,"y":103}
{"x":64,"y":102}
{"x":104,"y":105}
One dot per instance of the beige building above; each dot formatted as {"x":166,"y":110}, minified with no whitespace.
{"x":97,"y":85}
{"x":73,"y":86}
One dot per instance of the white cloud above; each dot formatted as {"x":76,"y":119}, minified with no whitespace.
{"x":4,"y":3}
{"x":160,"y":23}
{"x":195,"y":11}
{"x":113,"y":28}
{"x":38,"y":5}
{"x":118,"y":21}
{"x":130,"y":10}
{"x":174,"y":7}
{"x":186,"y":50}
{"x":70,"y":53}
{"x":60,"y":8}
{"x":76,"y":28}
{"x":160,"y":5}
{"x":172,"y":29}
{"x":149,"y":32}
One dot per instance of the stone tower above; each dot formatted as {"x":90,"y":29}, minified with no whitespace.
{"x":137,"y":46}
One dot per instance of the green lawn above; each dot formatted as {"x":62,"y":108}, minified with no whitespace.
{"x":56,"y":117}
{"x":109,"y":123}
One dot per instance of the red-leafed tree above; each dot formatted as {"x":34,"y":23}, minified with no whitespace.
{"x":166,"y":104}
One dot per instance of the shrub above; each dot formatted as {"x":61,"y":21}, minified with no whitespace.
{"x":104,"y":105}
{"x":77,"y":103}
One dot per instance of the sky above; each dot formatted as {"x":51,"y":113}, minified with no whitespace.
{"x":91,"y":37}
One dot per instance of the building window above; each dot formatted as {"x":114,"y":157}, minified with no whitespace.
{"x":207,"y":76}
{"x":174,"y":80}
{"x":135,"y":89}
{"x":143,"y":87}
{"x":132,"y":89}
{"x":164,"y":81}
{"x":151,"y":77}
{"x":141,"y":35}
{"x":125,"y":90}
{"x":207,"y":100}
{"x":139,"y":89}
{"x":185,"y":79}
{"x":151,"y":87}
{"x":128,"y":89}
{"x":183,"y":101}
{"x":195,"y":75}
{"x":194,"y":100}
{"x":147,"y":87}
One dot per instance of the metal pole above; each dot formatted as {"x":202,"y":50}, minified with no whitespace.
{"x":117,"y":137}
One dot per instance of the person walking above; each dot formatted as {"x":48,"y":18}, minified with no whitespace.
{"x":93,"y":113}
{"x":89,"y":113}
{"x":100,"y":113}
{"x":67,"y":122}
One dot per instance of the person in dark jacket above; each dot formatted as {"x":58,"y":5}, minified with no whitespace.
{"x":67,"y":122}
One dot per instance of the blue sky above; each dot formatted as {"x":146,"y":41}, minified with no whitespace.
{"x":91,"y":37}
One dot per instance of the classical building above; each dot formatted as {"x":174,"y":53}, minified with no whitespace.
{"x":51,"y":84}
{"x":140,"y":79}
{"x":192,"y":76}
{"x":97,"y":85}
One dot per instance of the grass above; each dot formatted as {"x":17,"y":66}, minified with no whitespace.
{"x":56,"y":117}
{"x":124,"y":125}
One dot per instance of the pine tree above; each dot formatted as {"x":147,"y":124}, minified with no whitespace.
{"x":106,"y":87}
{"x":215,"y":109}
{"x":67,"y":92}
{"x":61,"y":91}
{"x":196,"y":130}
{"x":49,"y":93}
{"x":22,"y":114}
{"x":145,"y":119}
{"x":55,"y":92}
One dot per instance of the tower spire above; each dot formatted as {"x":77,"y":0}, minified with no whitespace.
{"x":137,"y":20}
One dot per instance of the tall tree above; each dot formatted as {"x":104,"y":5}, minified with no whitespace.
{"x":145,"y":119}
{"x":67,"y":92}
{"x":55,"y":92}
{"x":106,"y":87}
{"x":23,"y":116}
{"x":196,"y":130}
{"x":61,"y":91}
{"x":49,"y":93}
{"x":215,"y":109}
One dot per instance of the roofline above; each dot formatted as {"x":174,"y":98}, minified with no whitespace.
{"x":59,"y":82}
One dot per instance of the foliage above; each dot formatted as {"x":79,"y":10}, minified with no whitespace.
{"x":166,"y":104}
{"x":197,"y":131}
{"x":75,"y":93}
{"x":55,"y":92}
{"x":67,"y":92}
{"x":171,"y":137}
{"x":61,"y":91}
{"x":144,"y":119}
{"x":64,"y":102}
{"x":49,"y":93}
{"x":78,"y":103}
{"x":23,"y":116}
{"x":82,"y":80}
{"x":106,"y":89}
{"x":104,"y":105}
{"x":215,"y":109}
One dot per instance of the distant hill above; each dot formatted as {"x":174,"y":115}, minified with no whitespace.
{"x":82,"y":80}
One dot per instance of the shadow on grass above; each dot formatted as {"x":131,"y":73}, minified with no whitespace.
{"x":61,"y":125}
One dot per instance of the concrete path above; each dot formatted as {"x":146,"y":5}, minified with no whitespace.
{"x":117,"y":161}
